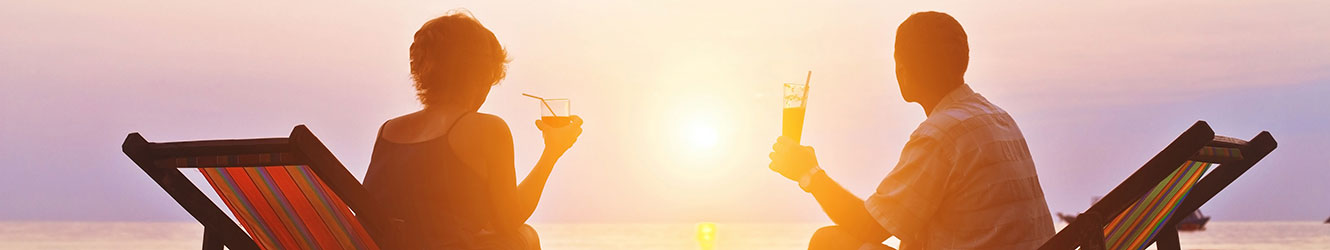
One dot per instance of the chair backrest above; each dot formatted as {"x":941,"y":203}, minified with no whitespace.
{"x":1146,"y":207}
{"x":286,"y":193}
{"x":1134,"y":228}
{"x":287,"y":207}
{"x":1137,"y":226}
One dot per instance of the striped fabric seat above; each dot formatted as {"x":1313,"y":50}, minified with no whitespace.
{"x":1135,"y":228}
{"x":281,"y":192}
{"x":1147,"y":208}
{"x":287,"y":207}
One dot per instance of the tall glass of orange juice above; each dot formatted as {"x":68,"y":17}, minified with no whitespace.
{"x":794,"y":105}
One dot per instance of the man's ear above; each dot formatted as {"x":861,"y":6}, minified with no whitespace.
{"x":902,"y":82}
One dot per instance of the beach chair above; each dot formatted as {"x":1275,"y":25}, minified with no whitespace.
{"x":287,"y":193}
{"x":1146,"y":207}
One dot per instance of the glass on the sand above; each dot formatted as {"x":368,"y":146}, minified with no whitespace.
{"x":795,"y":103}
{"x":554,"y":112}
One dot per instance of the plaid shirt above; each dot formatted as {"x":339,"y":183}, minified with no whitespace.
{"x":965,"y":180}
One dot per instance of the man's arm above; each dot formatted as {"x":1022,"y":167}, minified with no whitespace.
{"x":844,"y":208}
{"x":799,"y":163}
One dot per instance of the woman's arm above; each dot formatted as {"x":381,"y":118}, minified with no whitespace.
{"x":497,"y":145}
{"x":557,"y":141}
{"x":529,"y":191}
{"x":516,"y":202}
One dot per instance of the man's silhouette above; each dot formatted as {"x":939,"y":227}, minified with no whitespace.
{"x":965,"y":179}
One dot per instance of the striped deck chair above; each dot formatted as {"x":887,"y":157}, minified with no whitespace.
{"x":1146,"y":207}
{"x":287,"y":193}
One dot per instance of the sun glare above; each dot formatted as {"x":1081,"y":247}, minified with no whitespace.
{"x":702,"y":136}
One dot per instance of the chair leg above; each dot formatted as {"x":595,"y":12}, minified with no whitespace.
{"x":1167,"y":239}
{"x":213,"y":240}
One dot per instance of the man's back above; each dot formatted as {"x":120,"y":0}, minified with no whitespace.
{"x":965,"y":181}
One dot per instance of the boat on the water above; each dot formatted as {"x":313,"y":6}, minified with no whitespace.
{"x":1194,"y":222}
{"x":1068,"y":218}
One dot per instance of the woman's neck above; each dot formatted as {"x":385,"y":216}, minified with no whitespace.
{"x":445,"y":109}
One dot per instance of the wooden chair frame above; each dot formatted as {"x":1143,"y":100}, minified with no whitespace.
{"x":221,"y":231}
{"x":1087,"y":231}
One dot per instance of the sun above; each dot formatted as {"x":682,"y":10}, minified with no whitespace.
{"x":701,"y":136}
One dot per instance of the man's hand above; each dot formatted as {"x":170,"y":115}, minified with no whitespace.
{"x":791,"y":159}
{"x":798,"y":163}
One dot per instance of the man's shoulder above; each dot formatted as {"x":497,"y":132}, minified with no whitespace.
{"x":968,"y":112}
{"x":970,"y":115}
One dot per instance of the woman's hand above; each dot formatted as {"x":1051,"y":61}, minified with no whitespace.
{"x":559,"y":139}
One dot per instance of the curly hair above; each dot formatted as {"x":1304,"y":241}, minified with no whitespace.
{"x":452,"y":55}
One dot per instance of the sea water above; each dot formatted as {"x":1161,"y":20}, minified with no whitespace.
{"x":188,"y":235}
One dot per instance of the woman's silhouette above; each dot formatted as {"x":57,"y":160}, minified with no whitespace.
{"x":445,"y":173}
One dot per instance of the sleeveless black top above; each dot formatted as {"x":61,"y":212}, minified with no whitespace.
{"x":439,"y":201}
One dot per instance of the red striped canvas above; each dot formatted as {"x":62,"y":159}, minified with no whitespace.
{"x":287,"y":207}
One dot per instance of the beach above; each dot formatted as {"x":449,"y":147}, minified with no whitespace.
{"x":186,"y":235}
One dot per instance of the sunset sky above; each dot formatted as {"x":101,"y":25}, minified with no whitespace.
{"x":681,"y":98}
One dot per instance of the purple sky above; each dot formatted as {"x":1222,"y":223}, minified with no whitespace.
{"x":650,"y":78}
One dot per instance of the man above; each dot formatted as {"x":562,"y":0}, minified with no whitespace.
{"x":965,"y":179}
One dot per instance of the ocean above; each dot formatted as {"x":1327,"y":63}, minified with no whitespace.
{"x":187,"y":235}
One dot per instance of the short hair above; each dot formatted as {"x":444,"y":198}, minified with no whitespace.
{"x":934,"y":44}
{"x":453,"y":54}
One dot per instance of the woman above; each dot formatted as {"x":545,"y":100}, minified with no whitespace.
{"x":445,"y":173}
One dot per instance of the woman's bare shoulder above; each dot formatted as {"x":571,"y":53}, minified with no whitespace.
{"x":396,"y":121}
{"x":412,"y":127}
{"x":482,"y":124}
{"x":481,"y":138}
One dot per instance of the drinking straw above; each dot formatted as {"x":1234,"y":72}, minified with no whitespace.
{"x":807,"y":81}
{"x":547,"y":105}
